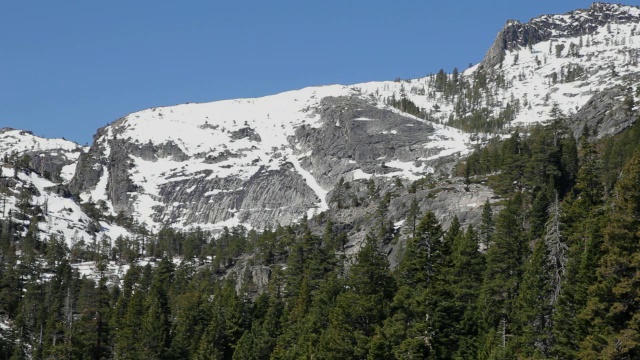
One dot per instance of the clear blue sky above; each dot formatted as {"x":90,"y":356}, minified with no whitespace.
{"x":70,"y":67}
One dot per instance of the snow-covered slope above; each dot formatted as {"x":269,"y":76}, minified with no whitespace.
{"x":57,"y":214}
{"x":22,"y":141}
{"x":267,"y":160}
{"x":581,"y":55}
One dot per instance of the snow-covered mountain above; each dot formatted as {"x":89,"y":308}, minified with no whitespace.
{"x":254,"y":161}
{"x":269,"y":160}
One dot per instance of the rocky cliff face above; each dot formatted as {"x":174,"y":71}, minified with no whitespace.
{"x":354,"y":209}
{"x":37,"y":188}
{"x":606,"y":113}
{"x":359,"y":139}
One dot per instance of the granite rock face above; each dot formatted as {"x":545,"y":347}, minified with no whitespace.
{"x":512,"y":36}
{"x":355,"y":134}
{"x":605,"y":114}
{"x":267,"y":198}
{"x":356,"y":213}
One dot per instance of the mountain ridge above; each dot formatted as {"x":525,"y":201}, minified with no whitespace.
{"x":269,"y":160}
{"x":515,"y":34}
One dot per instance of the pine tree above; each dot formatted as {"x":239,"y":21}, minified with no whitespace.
{"x":212,"y":343}
{"x":245,"y":349}
{"x":415,"y":268}
{"x":443,"y":311}
{"x":155,"y":330}
{"x":513,"y":155}
{"x":613,"y":305}
{"x":505,"y":259}
{"x":11,"y":286}
{"x":539,"y":211}
{"x":405,"y":326}
{"x":589,"y":189}
{"x":532,"y":307}
{"x":127,"y":345}
{"x":468,"y":267}
{"x":308,"y":261}
{"x":486,"y":225}
{"x":296,"y":313}
{"x":189,"y":324}
{"x":583,"y":219}
{"x":585,"y":236}
{"x":227,"y":325}
{"x":556,"y":248}
{"x":266,"y":329}
{"x":412,"y":217}
{"x":360,"y":310}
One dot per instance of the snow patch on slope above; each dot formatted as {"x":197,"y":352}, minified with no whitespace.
{"x":202,"y":128}
{"x":313,"y":184}
{"x":235,"y":139}
{"x":536,"y":74}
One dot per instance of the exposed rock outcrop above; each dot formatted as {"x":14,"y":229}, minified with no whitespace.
{"x":605,"y":114}
{"x":267,"y":198}
{"x":356,"y":134}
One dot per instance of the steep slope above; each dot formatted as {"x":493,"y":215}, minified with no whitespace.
{"x":30,"y":196}
{"x":516,"y":35}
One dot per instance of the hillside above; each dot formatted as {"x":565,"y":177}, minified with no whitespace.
{"x":482,"y":213}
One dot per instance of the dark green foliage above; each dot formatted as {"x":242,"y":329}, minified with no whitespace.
{"x":362,"y":308}
{"x":613,"y":304}
{"x":532,"y":307}
{"x":616,"y":152}
{"x":483,"y":121}
{"x":486,"y":225}
{"x":466,"y":278}
{"x":503,"y":274}
{"x":416,"y":266}
{"x":547,"y":156}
